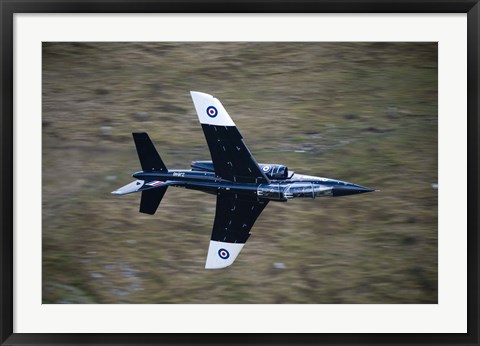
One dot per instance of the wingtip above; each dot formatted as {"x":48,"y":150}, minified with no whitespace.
{"x":210,"y":268}
{"x":199,"y":93}
{"x":221,"y":254}
{"x":210,"y":110}
{"x":217,"y":267}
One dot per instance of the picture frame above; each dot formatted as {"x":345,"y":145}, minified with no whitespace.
{"x":10,"y":8}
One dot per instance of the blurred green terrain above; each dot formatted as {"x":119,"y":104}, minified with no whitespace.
{"x":360,"y":112}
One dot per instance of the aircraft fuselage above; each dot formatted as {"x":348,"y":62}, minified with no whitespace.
{"x":297,"y":186}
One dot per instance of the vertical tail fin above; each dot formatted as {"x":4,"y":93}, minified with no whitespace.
{"x":148,"y":155}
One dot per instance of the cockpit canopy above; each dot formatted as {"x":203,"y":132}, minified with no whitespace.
{"x":277,"y":172}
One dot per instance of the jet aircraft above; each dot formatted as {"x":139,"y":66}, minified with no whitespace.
{"x":243,"y":187}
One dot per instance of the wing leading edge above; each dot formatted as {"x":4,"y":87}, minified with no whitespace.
{"x":234,"y":217}
{"x":230,"y":156}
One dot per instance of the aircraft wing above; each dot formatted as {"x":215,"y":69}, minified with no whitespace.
{"x":230,"y":156}
{"x":234,"y":218}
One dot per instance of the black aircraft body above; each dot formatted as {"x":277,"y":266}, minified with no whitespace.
{"x":243,"y":187}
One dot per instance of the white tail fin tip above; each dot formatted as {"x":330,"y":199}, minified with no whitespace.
{"x":134,"y":186}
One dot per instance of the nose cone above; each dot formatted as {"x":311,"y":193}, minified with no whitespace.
{"x":350,"y":189}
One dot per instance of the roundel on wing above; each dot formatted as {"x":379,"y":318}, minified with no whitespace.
{"x":212,"y":112}
{"x":223,"y":253}
{"x":266,"y":168}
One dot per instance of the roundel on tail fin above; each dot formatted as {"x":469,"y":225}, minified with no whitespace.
{"x":212,"y":112}
{"x":223,"y":253}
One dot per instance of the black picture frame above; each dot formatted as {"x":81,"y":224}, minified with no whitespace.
{"x":10,"y":7}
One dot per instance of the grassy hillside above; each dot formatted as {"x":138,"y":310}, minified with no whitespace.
{"x":360,"y":112}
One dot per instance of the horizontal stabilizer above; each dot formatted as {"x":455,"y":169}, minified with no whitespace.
{"x":148,"y":155}
{"x":151,"y":200}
